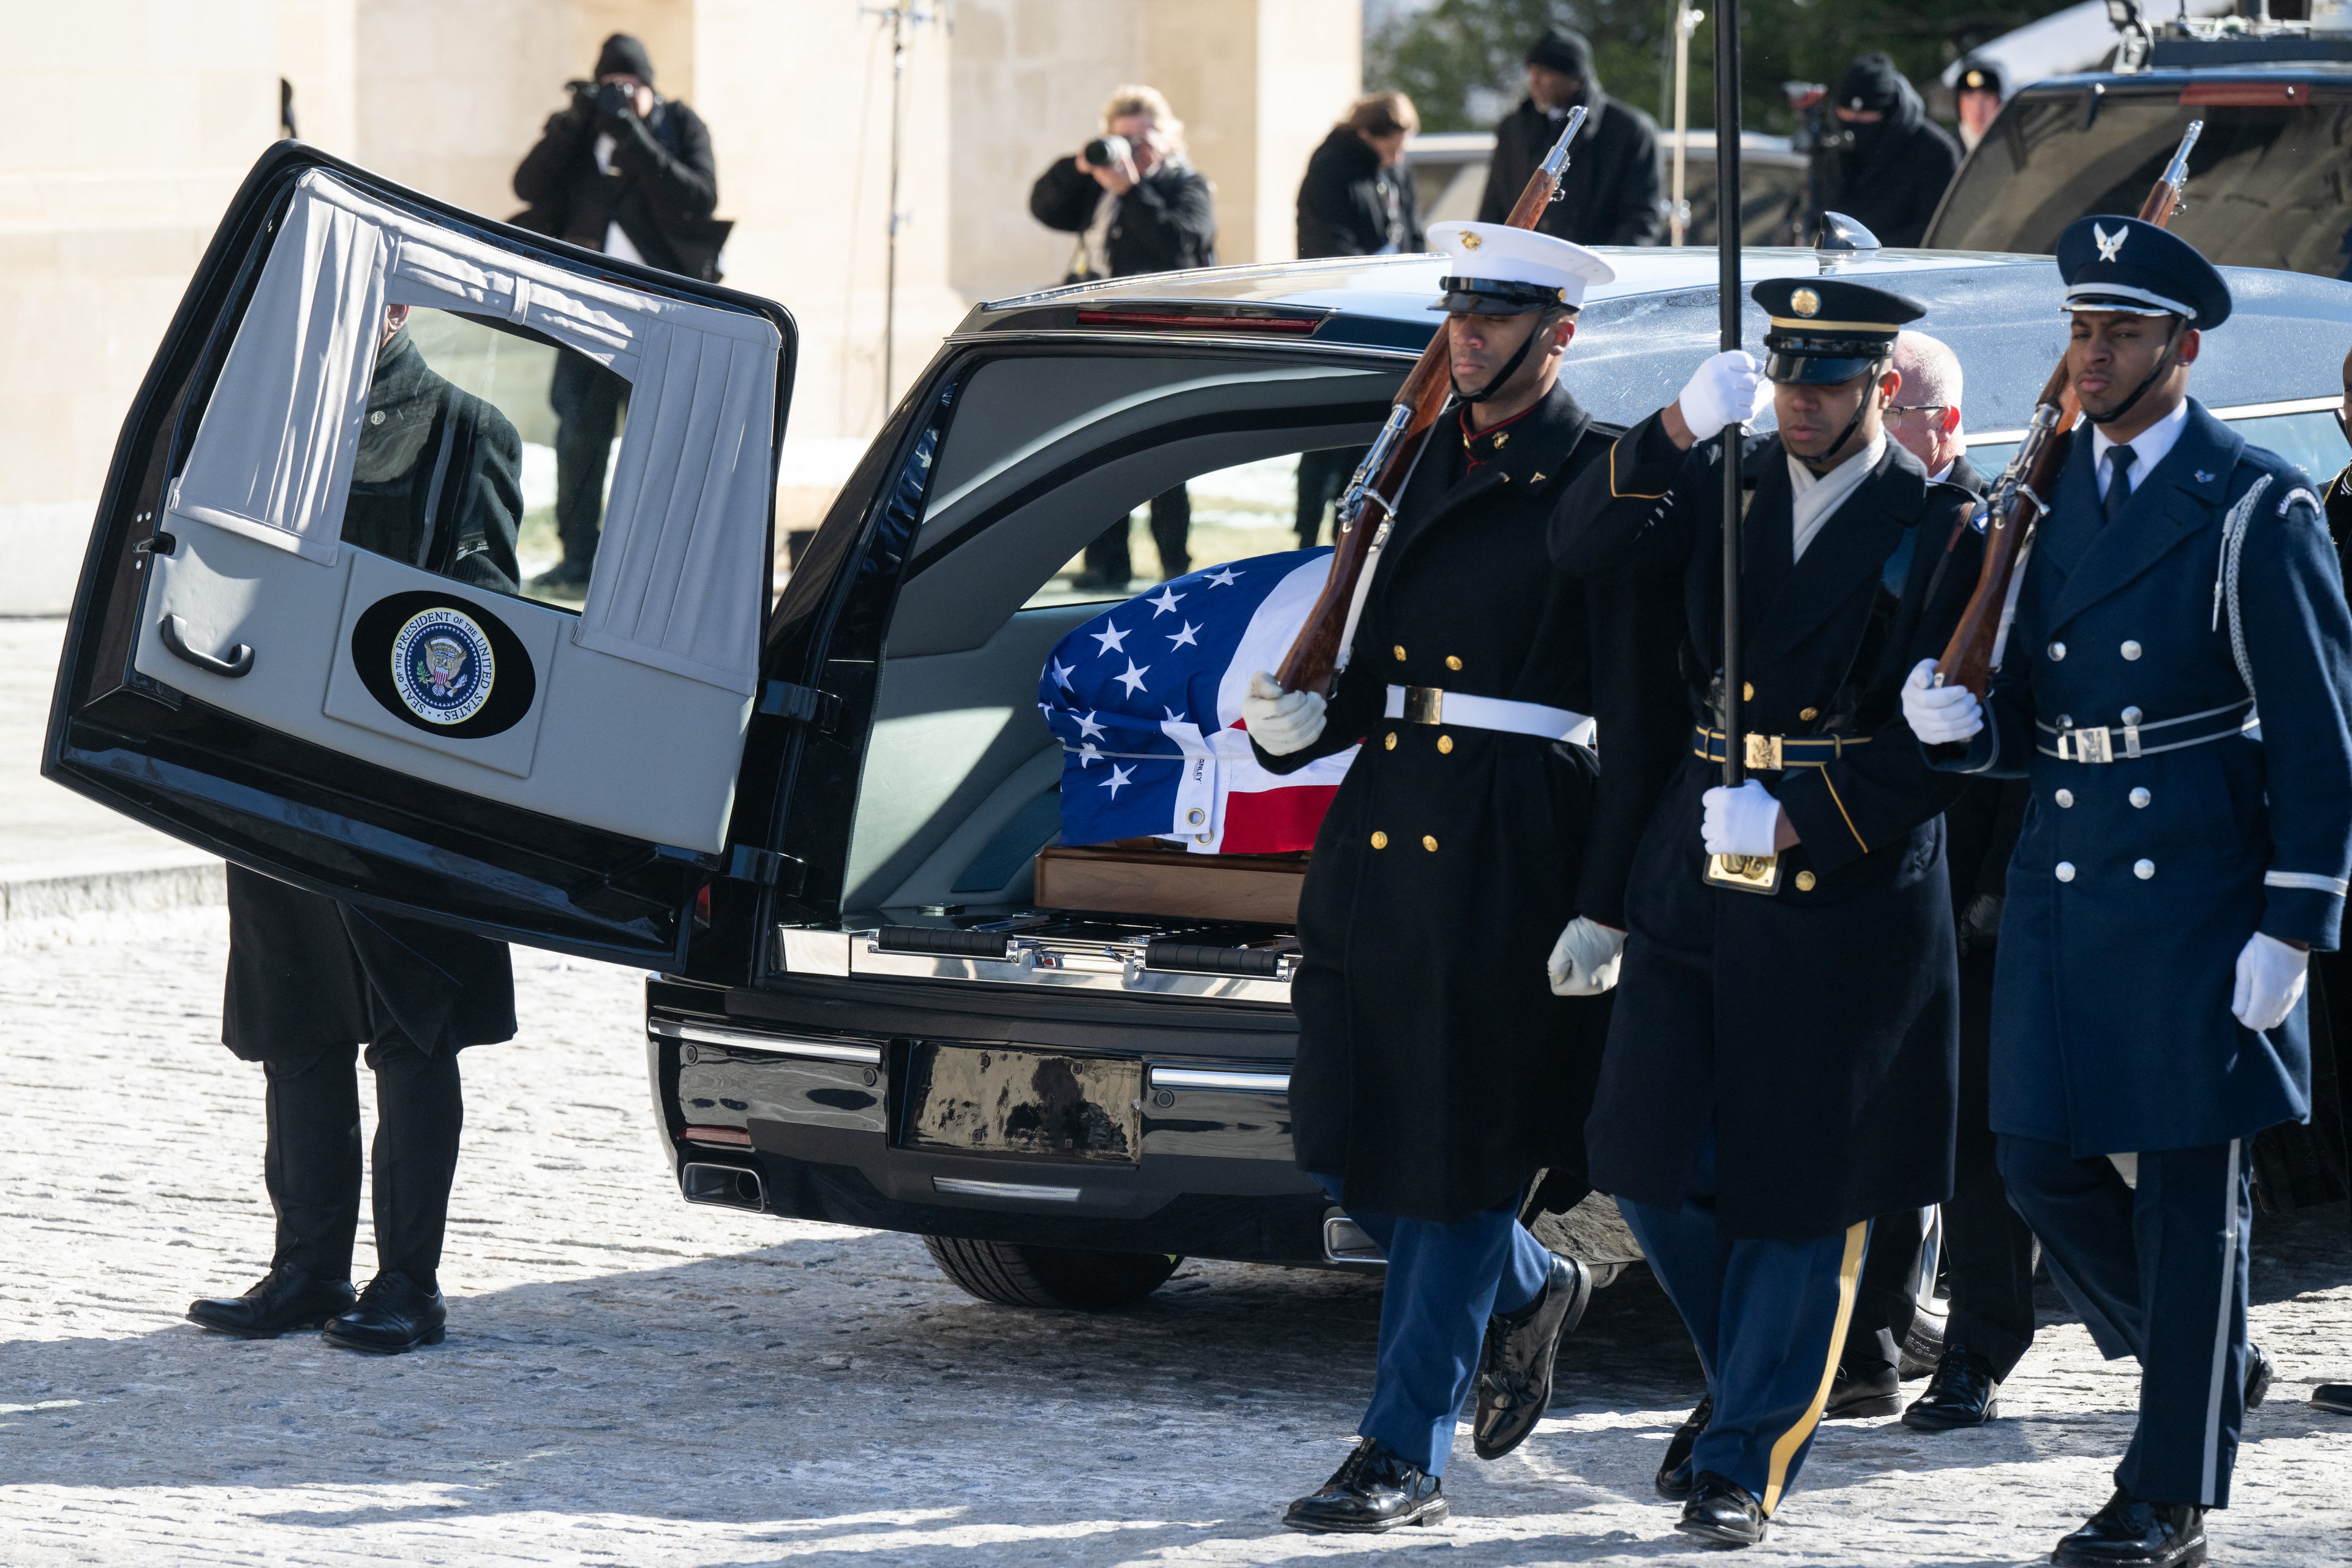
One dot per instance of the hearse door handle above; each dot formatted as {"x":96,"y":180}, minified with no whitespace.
{"x":175,"y":638}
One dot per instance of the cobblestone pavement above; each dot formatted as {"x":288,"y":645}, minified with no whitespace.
{"x":629,"y":1380}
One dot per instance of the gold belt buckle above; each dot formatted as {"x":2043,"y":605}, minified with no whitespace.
{"x":1764,"y":754}
{"x":1424,"y":705}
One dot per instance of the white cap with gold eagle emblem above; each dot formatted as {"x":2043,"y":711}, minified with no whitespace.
{"x":1499,"y":270}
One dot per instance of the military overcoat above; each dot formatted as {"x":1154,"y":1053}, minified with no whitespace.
{"x":1436,"y":1072}
{"x":2136,"y":881}
{"x":1812,"y":1030}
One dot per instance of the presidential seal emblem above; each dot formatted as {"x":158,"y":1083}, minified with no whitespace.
{"x":442,"y":666}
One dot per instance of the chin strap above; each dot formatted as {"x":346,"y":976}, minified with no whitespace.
{"x":1510,"y":368}
{"x":2163,"y":364}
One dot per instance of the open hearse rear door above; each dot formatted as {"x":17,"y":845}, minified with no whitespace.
{"x":315,"y":633}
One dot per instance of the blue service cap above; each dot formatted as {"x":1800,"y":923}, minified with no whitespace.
{"x":2112,"y":263}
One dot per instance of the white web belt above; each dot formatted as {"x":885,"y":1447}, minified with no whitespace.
{"x":1431,"y":705}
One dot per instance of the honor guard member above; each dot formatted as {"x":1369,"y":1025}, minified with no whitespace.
{"x":2175,"y":689}
{"x":1439,"y":1070}
{"x":2332,"y":972}
{"x":436,"y":483}
{"x":1779,"y":1067}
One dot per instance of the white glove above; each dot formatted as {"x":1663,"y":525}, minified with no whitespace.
{"x":1726,"y":389}
{"x":1282,"y":721}
{"x":1583,"y":962}
{"x":1741,"y":821}
{"x":1939,"y":715}
{"x":2271,"y":977}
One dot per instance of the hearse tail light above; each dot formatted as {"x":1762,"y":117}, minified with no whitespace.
{"x":2248,"y":94}
{"x":1297,"y":325}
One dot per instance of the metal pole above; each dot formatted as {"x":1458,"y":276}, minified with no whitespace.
{"x":1727,"y":246}
{"x":1686,"y":21}
{"x":891,"y":264}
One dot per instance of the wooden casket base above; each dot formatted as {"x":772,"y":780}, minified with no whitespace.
{"x":1142,"y":876}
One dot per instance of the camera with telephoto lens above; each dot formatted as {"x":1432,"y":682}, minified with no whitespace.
{"x":616,"y":99}
{"x":1107,"y":151}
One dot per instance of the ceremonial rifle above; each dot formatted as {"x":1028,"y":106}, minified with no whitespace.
{"x":1368,"y":507}
{"x":2016,"y":503}
{"x":1745,"y":873}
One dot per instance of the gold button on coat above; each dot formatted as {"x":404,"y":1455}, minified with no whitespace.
{"x":1452,"y":661}
{"x":1748,"y":691}
{"x":1398,"y":651}
{"x":1390,"y":742}
{"x":1429,"y":844}
{"x":1805,"y":880}
{"x":1379,"y":840}
{"x":1444,"y":743}
{"x":1808,"y":714}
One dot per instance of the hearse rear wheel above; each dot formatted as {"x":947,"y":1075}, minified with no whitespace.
{"x":1013,"y":1275}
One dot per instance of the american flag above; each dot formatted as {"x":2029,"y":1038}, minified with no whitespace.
{"x":1146,"y":699}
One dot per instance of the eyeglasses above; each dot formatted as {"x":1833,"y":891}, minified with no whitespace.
{"x":1917,"y":407}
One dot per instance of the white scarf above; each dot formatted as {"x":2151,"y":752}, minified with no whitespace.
{"x":1818,"y":496}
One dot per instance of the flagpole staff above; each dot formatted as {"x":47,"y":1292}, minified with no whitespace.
{"x":1748,"y":873}
{"x":1686,"y":21}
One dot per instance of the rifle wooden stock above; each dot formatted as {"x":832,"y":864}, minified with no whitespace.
{"x":2041,"y":456}
{"x":1313,"y":662}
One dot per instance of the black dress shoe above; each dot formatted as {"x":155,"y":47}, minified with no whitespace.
{"x":2128,"y":1533}
{"x":1722,"y":1511}
{"x":1515,"y":1364}
{"x":287,"y":1298}
{"x":1878,"y":1392}
{"x":394,"y":1314}
{"x":1675,"y":1479}
{"x":564,"y":575}
{"x":1963,"y":1393}
{"x":2258,"y":1376}
{"x":2334,"y":1396}
{"x":1373,"y":1489}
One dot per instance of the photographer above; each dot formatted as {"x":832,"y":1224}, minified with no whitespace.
{"x":1137,"y":206}
{"x":1894,"y":162}
{"x":628,"y":173}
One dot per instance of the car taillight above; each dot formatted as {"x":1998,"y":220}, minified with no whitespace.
{"x":1201,"y":322}
{"x":2248,"y":94}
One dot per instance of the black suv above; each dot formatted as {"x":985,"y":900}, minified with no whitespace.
{"x":816,"y":815}
{"x":2268,"y":182}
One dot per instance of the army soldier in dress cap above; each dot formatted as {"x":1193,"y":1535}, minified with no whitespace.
{"x":1779,"y":1068}
{"x":2184,"y":852}
{"x":1438,"y":1071}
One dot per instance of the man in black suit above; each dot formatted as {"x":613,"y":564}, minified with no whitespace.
{"x":436,"y":484}
{"x":629,"y":173}
{"x":1610,"y":192}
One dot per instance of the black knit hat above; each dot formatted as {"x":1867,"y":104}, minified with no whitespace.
{"x":1563,"y":50}
{"x":622,"y":54}
{"x":1871,"y":82}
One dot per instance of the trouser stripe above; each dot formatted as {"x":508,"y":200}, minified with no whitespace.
{"x":1785,"y":1448}
{"x":2228,"y":1294}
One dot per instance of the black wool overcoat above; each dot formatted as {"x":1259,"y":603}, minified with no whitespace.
{"x":438,"y":478}
{"x":1612,"y":191}
{"x":1814,"y":1031}
{"x":1436,"y":1072}
{"x":1166,"y":223}
{"x":1349,"y":204}
{"x":307,"y":974}
{"x":662,"y":191}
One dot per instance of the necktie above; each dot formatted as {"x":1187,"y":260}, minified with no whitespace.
{"x":2120,"y":462}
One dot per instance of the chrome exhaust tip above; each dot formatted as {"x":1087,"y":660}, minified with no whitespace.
{"x":730,"y":1186}
{"x":1344,"y":1241}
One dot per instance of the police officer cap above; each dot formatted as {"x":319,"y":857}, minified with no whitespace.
{"x":1497,"y":270}
{"x":2122,"y":264}
{"x":1979,"y":76}
{"x":1826,"y":330}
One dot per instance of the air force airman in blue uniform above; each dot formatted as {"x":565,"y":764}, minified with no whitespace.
{"x":2175,"y":686}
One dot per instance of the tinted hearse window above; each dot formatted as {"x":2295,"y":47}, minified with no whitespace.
{"x":2266,"y":188}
